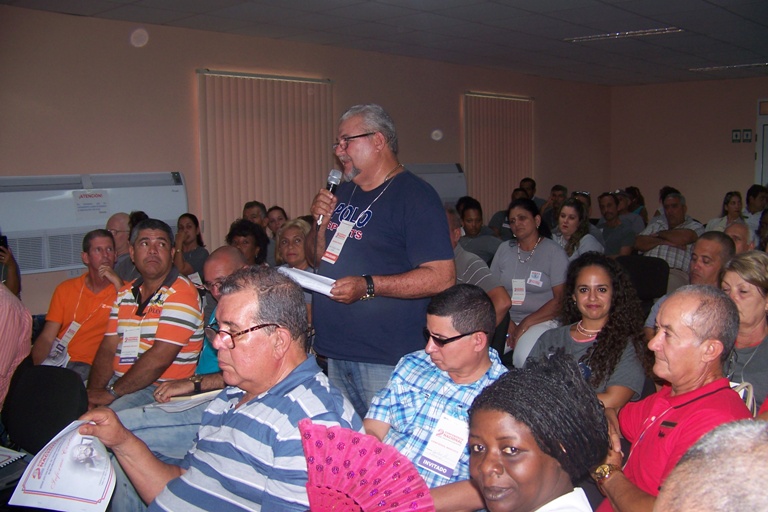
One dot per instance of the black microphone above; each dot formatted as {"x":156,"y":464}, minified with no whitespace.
{"x":334,"y":179}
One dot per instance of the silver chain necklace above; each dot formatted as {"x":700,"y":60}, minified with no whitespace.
{"x":530,"y":255}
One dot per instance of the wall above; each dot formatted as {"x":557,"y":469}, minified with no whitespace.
{"x":680,"y":135}
{"x":76,"y":97}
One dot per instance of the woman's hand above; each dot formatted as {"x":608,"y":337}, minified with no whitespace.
{"x":515,"y":332}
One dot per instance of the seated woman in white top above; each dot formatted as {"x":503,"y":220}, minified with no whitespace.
{"x":532,"y":434}
{"x":574,"y":234}
{"x":730,"y":213}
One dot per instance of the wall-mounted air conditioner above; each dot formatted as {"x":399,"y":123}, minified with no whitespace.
{"x":46,"y":217}
{"x":447,"y":179}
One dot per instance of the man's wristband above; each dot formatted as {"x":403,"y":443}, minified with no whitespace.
{"x":111,"y":390}
{"x":369,"y":293}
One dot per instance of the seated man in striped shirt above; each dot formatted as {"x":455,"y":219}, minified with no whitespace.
{"x":155,"y":329}
{"x":248,"y":453}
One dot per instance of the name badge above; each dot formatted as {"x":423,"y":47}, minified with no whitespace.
{"x":337,"y":243}
{"x":445,"y":446}
{"x":58,"y":355}
{"x":518,"y":292}
{"x":129,"y":350}
{"x":535,"y":279}
{"x":195,"y":278}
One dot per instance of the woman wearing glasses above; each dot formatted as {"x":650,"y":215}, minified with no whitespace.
{"x":745,"y":280}
{"x":603,"y":330}
{"x":532,"y":268}
{"x":574,"y":234}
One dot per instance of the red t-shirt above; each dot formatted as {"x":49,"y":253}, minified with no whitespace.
{"x":661,"y":428}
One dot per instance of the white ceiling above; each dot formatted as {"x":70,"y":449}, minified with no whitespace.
{"x":524,"y":36}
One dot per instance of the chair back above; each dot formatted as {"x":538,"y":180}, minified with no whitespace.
{"x":649,"y":275}
{"x":41,"y":401}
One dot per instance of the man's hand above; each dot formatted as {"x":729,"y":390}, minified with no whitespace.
{"x":614,"y":432}
{"x":108,"y":273}
{"x":98,"y":398}
{"x":168,"y":389}
{"x":324,"y":204}
{"x":106,"y":426}
{"x":349,"y":289}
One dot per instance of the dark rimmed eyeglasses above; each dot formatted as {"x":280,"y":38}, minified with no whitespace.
{"x":228,"y":338}
{"x":344,"y":141}
{"x":212,"y":285}
{"x":441,"y":342}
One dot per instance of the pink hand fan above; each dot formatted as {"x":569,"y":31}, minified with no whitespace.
{"x":353,"y":472}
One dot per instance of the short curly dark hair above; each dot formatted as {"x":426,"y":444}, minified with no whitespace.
{"x":625,"y":321}
{"x":242,"y":227}
{"x":562,"y":411}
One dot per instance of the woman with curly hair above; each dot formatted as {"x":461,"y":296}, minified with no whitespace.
{"x":602,"y":329}
{"x":573,"y":226}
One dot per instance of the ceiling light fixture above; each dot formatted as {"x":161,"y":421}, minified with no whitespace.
{"x":732,"y":66}
{"x":624,"y":35}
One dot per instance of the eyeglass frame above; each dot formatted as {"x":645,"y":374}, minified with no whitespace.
{"x":211,"y":285}
{"x":343,"y":142}
{"x":210,"y":329}
{"x":441,"y":343}
{"x":116,"y":231}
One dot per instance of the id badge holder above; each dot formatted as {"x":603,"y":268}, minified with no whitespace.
{"x":518,"y":292}
{"x":337,"y":242}
{"x":59,"y":356}
{"x":129,"y":350}
{"x":445,"y":446}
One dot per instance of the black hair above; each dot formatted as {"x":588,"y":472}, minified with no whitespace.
{"x":471,"y":203}
{"x":154,"y":224}
{"x":530,"y":206}
{"x":243,"y":227}
{"x":562,"y":411}
{"x":665,"y":191}
{"x":193,"y":218}
{"x":468,"y":306}
{"x":625,"y":320}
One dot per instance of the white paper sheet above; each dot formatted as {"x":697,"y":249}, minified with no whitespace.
{"x":72,"y":473}
{"x":308,"y":280}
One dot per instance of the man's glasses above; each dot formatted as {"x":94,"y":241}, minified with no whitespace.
{"x":441,"y":342}
{"x":228,"y":338}
{"x":116,"y":231}
{"x":344,"y":141}
{"x":212,"y":285}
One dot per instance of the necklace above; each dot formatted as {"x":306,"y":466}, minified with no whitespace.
{"x":389,"y":174}
{"x":587,"y":332}
{"x":530,"y":255}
